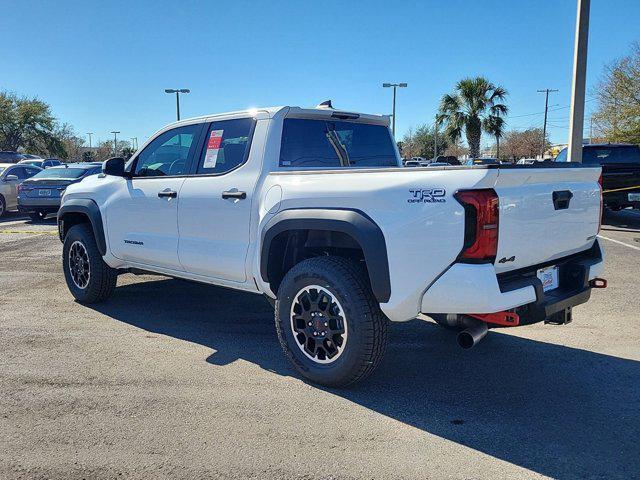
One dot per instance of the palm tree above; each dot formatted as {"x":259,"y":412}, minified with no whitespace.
{"x":494,"y":126}
{"x":473,"y":107}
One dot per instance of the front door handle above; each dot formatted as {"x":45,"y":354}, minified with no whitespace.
{"x":168,"y":194}
{"x":234,"y":194}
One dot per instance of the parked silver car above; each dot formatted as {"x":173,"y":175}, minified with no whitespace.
{"x":11,"y":175}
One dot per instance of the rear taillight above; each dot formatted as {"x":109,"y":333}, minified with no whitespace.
{"x":481,"y":224}
{"x":601,"y":203}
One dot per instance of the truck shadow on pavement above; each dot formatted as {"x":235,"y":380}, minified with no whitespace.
{"x":559,"y":411}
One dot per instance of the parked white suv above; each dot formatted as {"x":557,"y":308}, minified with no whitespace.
{"x":11,"y":176}
{"x":311,"y":208}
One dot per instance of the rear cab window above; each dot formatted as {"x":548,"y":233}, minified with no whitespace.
{"x":319,"y":143}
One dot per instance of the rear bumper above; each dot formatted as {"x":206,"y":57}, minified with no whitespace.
{"x":466,"y":288}
{"x":28,"y":204}
{"x":620,"y":199}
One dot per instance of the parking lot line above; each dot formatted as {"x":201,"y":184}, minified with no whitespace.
{"x":14,"y":222}
{"x":28,"y":232}
{"x":619,"y":242}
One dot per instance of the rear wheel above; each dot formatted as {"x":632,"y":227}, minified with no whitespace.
{"x":37,"y":216}
{"x":329,"y":324}
{"x":88,"y":277}
{"x":3,"y":206}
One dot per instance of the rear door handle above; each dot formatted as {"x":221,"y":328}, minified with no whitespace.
{"x":234,"y":194}
{"x":168,"y":194}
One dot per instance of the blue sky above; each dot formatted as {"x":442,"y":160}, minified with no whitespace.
{"x":104,"y":66}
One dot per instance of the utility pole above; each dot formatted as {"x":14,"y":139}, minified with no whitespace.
{"x":394,"y":85}
{"x":115,"y":143}
{"x":177,"y":91}
{"x":89,"y":133}
{"x":576,"y":122}
{"x":591,"y":129}
{"x":546,"y":91}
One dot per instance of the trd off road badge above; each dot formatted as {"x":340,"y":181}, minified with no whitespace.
{"x":427,"y":195}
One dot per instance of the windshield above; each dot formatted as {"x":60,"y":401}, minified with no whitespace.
{"x":61,"y":173}
{"x":562,"y":156}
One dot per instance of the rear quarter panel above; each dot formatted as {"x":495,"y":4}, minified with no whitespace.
{"x":423,"y":232}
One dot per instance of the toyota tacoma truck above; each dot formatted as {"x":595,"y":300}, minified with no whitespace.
{"x":312,"y":208}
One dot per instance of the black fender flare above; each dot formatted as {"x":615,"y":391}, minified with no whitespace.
{"x":90,"y":209}
{"x":351,"y":222}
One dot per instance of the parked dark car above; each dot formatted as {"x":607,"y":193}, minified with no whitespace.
{"x":41,"y":194}
{"x":42,"y":162}
{"x":11,"y":157}
{"x":620,"y":164}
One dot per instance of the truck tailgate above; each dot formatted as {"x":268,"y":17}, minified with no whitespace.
{"x":545,"y":213}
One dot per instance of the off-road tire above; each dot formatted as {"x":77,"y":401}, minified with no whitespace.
{"x":367,"y":325}
{"x":102,"y":278}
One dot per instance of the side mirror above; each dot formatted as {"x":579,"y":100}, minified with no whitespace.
{"x":11,"y":178}
{"x":114,"y":166}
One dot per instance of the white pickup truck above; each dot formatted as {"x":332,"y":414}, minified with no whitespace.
{"x":312,"y":208}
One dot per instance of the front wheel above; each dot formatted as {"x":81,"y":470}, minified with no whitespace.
{"x":329,"y":324}
{"x":88,"y":277}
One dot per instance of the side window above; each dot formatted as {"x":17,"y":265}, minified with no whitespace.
{"x":226,"y":146}
{"x":628,"y":155}
{"x":562,"y":156}
{"x":30,"y":172}
{"x":168,"y":154}
{"x":18,"y":172}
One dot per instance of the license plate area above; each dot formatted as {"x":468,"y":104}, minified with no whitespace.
{"x":44,"y":192}
{"x":634,"y":197}
{"x":549,"y":277}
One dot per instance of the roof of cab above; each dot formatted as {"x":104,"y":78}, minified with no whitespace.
{"x":291,"y":111}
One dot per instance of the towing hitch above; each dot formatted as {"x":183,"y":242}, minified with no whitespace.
{"x":506,"y":319}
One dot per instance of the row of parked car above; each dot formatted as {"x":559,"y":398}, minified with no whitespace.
{"x":29,"y":188}
{"x":620,"y":164}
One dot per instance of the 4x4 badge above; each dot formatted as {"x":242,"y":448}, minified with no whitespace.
{"x":505,"y":259}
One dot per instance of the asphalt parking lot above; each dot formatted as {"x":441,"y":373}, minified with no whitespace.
{"x":170,"y":379}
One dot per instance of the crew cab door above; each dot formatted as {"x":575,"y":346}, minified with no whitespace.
{"x":142,"y":214}
{"x":214,"y":216}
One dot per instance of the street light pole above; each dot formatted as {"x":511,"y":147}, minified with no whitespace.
{"x":576,"y":122}
{"x":546,"y":108}
{"x":177,"y":91}
{"x":394,"y":85}
{"x":89,"y":133}
{"x":115,"y":143}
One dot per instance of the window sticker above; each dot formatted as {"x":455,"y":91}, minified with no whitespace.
{"x":213,"y":147}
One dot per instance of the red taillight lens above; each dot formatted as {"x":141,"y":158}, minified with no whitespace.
{"x":481,"y":224}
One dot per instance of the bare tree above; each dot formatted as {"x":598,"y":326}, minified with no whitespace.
{"x":618,"y":92}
